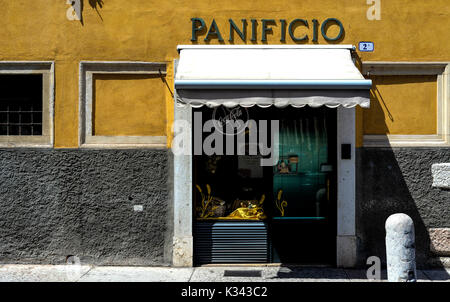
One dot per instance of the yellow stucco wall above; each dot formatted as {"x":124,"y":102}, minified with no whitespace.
{"x":402,"y":105}
{"x":132,"y":104}
{"x":148,"y":30}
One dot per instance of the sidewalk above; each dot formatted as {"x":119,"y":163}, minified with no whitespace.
{"x":86,"y":273}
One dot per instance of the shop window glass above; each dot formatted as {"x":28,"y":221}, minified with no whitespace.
{"x":298,"y":185}
{"x":300,"y":179}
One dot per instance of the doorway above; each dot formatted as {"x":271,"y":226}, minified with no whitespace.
{"x":291,"y":203}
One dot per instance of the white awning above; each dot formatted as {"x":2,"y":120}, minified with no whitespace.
{"x":270,"y":75}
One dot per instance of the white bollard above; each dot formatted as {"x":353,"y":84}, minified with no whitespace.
{"x":400,"y":248}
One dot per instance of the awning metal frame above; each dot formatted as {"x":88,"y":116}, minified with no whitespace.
{"x":343,"y":46}
{"x":273,"y":84}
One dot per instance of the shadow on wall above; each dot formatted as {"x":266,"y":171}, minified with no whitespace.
{"x":393,"y":180}
{"x":94,"y":4}
{"x":390,"y":97}
{"x":377,"y":104}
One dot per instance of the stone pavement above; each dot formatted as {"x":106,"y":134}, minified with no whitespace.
{"x":265,"y":273}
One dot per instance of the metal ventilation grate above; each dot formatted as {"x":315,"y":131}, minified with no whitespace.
{"x":231,"y":242}
{"x":241,"y":273}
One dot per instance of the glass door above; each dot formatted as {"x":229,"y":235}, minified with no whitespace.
{"x":303,"y":219}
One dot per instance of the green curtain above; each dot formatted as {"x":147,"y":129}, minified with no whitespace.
{"x":304,"y":185}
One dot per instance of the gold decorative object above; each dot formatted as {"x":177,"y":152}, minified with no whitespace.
{"x":248,"y":213}
{"x":280,"y":204}
{"x":249,"y":209}
{"x":207,"y":207}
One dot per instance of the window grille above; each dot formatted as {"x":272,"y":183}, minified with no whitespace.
{"x":21,"y":104}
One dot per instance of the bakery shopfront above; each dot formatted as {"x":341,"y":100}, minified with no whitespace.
{"x":189,"y":133}
{"x":264,"y":165}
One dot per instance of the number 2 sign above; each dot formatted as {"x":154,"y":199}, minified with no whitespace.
{"x":366,"y":46}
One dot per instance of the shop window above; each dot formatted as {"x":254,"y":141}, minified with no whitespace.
{"x":295,"y":184}
{"x":26,"y":104}
{"x":123,"y":104}
{"x":296,"y":192}
{"x":409,"y":105}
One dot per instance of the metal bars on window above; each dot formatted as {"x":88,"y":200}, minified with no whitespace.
{"x":21,"y":105}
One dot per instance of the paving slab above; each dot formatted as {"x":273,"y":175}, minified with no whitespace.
{"x":442,"y":275}
{"x":86,"y":273}
{"x":216,"y":274}
{"x":137,"y":274}
{"x":42,"y":273}
{"x":310,"y":274}
{"x":359,"y":275}
{"x":269,"y":274}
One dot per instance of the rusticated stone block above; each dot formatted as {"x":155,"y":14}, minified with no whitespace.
{"x":441,"y":175}
{"x":440,"y":241}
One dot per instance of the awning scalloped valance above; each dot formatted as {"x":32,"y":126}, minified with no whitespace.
{"x":278,"y":98}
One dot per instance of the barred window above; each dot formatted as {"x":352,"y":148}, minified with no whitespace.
{"x":21,"y":104}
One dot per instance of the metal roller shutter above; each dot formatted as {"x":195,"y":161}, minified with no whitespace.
{"x":231,"y":242}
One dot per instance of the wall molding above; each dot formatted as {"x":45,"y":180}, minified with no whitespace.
{"x":403,"y":68}
{"x":441,"y":70}
{"x":47,"y":69}
{"x":432,"y":140}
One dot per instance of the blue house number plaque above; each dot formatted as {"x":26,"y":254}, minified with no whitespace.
{"x":366,"y":46}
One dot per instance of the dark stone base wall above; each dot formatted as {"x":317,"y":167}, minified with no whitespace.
{"x":57,"y":203}
{"x":398,"y":180}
